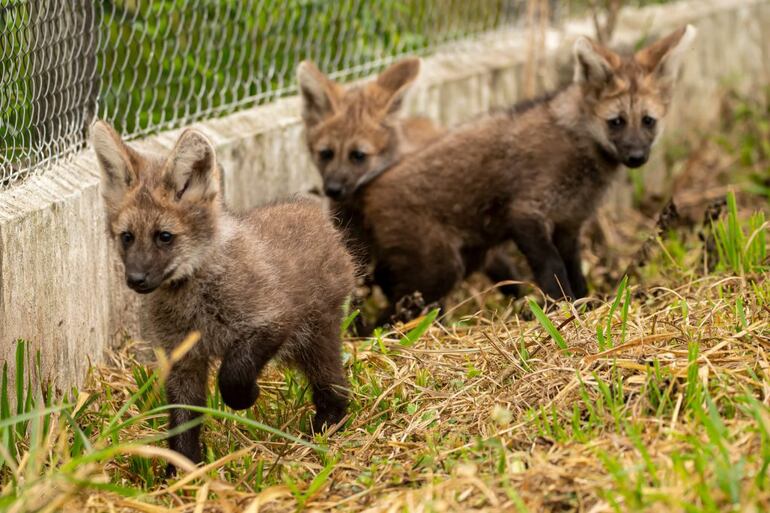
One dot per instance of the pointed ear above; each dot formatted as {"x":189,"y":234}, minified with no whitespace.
{"x":319,"y":93}
{"x":116,"y":161}
{"x":191,"y":171}
{"x":396,"y":80}
{"x":664,"y":57}
{"x":593,"y":63}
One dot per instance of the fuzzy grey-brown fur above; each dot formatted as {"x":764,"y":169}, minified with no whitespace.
{"x":268,"y":283}
{"x":366,"y":118}
{"x":533,"y":175}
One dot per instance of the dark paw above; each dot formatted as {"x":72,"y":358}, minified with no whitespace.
{"x":170,"y":471}
{"x":326,"y":419}
{"x":330,"y":407}
{"x":239,"y":396}
{"x":409,"y":308}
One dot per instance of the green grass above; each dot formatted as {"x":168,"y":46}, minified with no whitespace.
{"x":742,"y":249}
{"x":546,"y":323}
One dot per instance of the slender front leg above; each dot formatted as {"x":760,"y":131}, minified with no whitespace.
{"x":567,"y":243}
{"x":322,"y":365}
{"x":532,"y":236}
{"x":186,"y":384}
{"x":242,"y":364}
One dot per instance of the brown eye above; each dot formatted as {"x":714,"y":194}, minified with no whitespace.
{"x":357,"y":156}
{"x":326,"y":155}
{"x":164,"y":238}
{"x":649,"y":121}
{"x":616,"y":122}
{"x":126,"y":238}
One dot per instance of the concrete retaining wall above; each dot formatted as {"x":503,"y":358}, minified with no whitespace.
{"x":61,"y":287}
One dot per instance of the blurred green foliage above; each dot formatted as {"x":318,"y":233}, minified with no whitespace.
{"x":148,"y":65}
{"x":167,"y":62}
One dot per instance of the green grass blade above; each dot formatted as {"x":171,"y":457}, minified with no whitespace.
{"x":546,"y":323}
{"x":415,"y":333}
{"x":5,"y":404}
{"x":348,"y":320}
{"x":624,"y":316}
{"x":108,"y":431}
{"x":16,"y":419}
{"x":20,"y":376}
{"x":318,"y":481}
{"x":238,"y":419}
{"x":618,"y":296}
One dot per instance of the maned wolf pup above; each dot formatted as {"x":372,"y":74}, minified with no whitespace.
{"x":268,"y":283}
{"x":354,"y":134}
{"x":533,"y":174}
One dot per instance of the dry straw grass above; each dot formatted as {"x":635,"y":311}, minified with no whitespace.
{"x":458,"y":421}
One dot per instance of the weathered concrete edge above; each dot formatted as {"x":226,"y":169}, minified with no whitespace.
{"x":66,"y":295}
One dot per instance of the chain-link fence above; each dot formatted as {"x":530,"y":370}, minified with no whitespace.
{"x":48,"y":81}
{"x":149,"y":65}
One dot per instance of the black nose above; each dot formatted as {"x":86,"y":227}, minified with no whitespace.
{"x":136,"y":280}
{"x":636,"y":158}
{"x":334,"y":190}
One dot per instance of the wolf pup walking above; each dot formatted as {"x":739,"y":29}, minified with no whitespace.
{"x":533,"y":174}
{"x":356,"y":133}
{"x":267,"y":283}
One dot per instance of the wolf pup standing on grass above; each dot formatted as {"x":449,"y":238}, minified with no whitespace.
{"x":268,"y":283}
{"x":533,"y":174}
{"x":355,"y":134}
